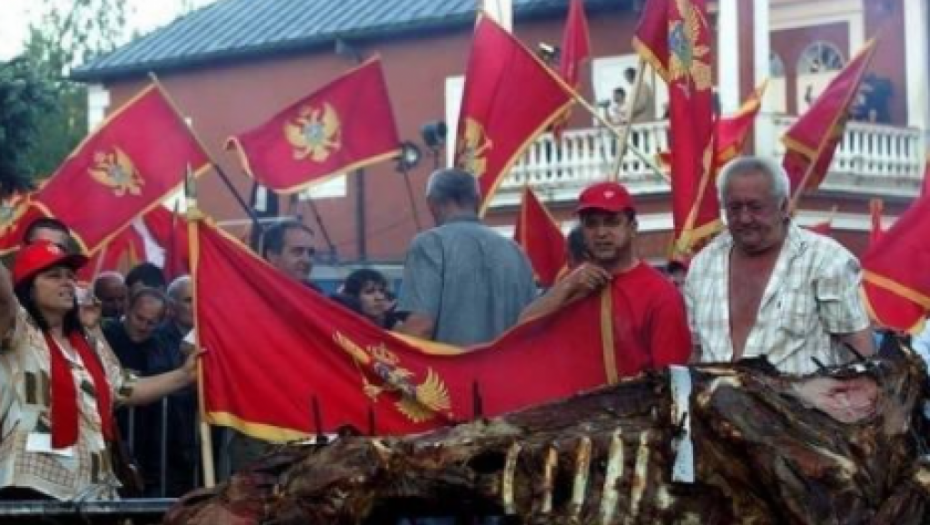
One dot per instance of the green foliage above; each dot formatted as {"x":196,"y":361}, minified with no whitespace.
{"x":69,"y":33}
{"x":25,"y":97}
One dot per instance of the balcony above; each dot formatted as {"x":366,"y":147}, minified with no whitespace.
{"x":871,"y":159}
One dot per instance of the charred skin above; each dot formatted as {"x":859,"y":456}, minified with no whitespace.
{"x":768,"y":449}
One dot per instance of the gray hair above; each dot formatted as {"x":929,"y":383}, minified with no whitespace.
{"x":453,"y":186}
{"x":174,"y":289}
{"x":778,"y":179}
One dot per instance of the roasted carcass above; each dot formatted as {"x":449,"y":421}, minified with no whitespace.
{"x":842,"y":447}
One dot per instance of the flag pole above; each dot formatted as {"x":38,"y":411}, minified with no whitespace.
{"x":194,"y":216}
{"x":606,"y":123}
{"x":628,"y":125}
{"x":319,"y":221}
{"x":600,"y":118}
{"x":216,"y":166}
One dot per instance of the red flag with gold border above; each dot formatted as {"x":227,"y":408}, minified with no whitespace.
{"x":896,"y":280}
{"x":675,"y":38}
{"x":541,"y":238}
{"x":343,"y":126}
{"x":159,"y":237}
{"x":310,"y":351}
{"x":133,"y":161}
{"x":510,"y":97}
{"x":811,"y":141}
{"x":732,"y":131}
{"x":575,"y":51}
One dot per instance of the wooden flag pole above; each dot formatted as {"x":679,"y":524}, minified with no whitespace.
{"x":606,"y":123}
{"x":194,"y":216}
{"x":628,"y":125}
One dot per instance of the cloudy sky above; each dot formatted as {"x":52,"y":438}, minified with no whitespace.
{"x":143,"y":15}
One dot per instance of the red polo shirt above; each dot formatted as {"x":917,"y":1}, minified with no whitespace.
{"x":650,"y":323}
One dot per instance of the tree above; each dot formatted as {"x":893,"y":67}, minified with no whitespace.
{"x":69,"y":33}
{"x":25,"y":98}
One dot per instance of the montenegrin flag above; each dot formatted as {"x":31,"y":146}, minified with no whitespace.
{"x":541,"y":238}
{"x":277,"y":348}
{"x":675,"y":38}
{"x":811,"y":141}
{"x":158,"y":237}
{"x":896,"y":279}
{"x":510,"y":97}
{"x":575,"y":51}
{"x":343,"y":126}
{"x":133,"y":161}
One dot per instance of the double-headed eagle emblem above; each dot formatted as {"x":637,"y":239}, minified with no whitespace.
{"x":113,"y":168}
{"x":688,"y":58}
{"x":473,"y":145}
{"x":418,"y":402}
{"x":315,"y":132}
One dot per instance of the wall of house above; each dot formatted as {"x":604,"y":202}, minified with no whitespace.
{"x":235,"y":96}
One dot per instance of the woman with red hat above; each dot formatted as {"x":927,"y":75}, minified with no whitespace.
{"x":59,"y":384}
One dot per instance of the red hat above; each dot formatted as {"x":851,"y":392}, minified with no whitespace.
{"x":607,"y":196}
{"x":42,"y":255}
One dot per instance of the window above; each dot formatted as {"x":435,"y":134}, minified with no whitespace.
{"x":820,"y":57}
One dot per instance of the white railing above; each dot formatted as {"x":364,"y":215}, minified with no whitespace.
{"x":871,"y":158}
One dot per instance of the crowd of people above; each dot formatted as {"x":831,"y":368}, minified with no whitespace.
{"x":764,"y":289}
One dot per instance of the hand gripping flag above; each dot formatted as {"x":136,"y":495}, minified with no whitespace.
{"x":540,"y":236}
{"x":674,"y":37}
{"x":275,"y":346}
{"x":344,"y":126}
{"x":811,"y":141}
{"x":510,"y":98}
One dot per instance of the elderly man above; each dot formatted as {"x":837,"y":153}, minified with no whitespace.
{"x":182,"y":455}
{"x":649,"y":322}
{"x":766,"y":287}
{"x":463,"y":282}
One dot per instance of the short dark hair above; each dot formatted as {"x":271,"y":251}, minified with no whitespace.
{"x":273,"y":237}
{"x":675,"y":266}
{"x":453,"y":186}
{"x":577,"y":249}
{"x":148,"y":274}
{"x":47,"y":223}
{"x":142,"y":293}
{"x":356,"y":281}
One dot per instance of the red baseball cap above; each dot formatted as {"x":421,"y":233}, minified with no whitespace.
{"x":607,"y":196}
{"x":42,"y":255}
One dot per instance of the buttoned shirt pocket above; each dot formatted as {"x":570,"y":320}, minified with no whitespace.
{"x":797,"y":311}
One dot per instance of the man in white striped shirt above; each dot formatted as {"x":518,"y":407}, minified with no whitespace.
{"x":766,"y":287}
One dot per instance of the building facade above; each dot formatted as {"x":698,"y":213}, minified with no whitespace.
{"x":231,"y":65}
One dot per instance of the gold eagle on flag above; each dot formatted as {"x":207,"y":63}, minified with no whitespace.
{"x":418,"y":402}
{"x":315,"y":132}
{"x":687,"y":57}
{"x":114,"y":169}
{"x":472,"y":148}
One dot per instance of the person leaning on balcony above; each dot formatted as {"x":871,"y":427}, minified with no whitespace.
{"x":767,"y":288}
{"x":59,"y":384}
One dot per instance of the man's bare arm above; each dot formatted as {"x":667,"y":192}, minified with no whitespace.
{"x":417,"y":325}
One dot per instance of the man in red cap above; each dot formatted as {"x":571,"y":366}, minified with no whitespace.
{"x":649,"y":321}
